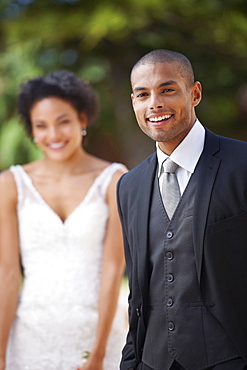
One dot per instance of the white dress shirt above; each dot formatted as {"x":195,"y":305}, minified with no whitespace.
{"x":186,"y":155}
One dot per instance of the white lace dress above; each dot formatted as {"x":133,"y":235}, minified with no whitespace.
{"x":57,"y":313}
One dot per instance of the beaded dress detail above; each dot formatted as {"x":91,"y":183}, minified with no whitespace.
{"x":57,"y":314}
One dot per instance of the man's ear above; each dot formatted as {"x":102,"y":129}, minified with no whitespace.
{"x":197,"y":93}
{"x":132,"y":98}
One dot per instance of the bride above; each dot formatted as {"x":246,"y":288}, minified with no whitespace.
{"x":60,"y":240}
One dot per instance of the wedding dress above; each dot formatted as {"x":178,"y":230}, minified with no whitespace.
{"x":57,"y":313}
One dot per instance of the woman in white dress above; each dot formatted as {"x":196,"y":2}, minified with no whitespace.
{"x":59,"y":225}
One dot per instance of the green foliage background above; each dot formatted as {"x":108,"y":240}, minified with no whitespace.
{"x":100,"y":40}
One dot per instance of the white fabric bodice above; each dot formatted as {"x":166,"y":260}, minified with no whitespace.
{"x":57,"y":313}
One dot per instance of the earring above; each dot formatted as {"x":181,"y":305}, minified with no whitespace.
{"x":35,"y":140}
{"x":84,"y":131}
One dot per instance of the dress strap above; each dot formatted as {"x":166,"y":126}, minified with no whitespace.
{"x":105,"y":177}
{"x":18,"y":176}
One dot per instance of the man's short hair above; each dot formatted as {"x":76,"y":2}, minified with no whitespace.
{"x":168,"y":56}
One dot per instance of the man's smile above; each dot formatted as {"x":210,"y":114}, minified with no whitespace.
{"x":159,"y":120}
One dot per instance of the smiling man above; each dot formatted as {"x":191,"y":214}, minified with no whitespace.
{"x":184,"y":219}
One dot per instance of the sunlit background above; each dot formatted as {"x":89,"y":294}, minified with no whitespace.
{"x":100,"y":40}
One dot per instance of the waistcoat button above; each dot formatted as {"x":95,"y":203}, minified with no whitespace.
{"x":169,"y":234}
{"x":171,"y":326}
{"x":170,"y":278}
{"x":169,"y":255}
{"x":169,"y":302}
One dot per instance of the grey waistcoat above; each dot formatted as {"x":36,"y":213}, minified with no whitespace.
{"x":179,"y":324}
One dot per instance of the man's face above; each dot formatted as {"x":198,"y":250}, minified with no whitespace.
{"x":164,"y":103}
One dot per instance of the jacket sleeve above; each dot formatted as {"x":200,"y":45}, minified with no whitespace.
{"x":128,"y":360}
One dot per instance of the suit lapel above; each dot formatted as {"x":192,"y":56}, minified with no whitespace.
{"x":144,"y":199}
{"x":208,"y":167}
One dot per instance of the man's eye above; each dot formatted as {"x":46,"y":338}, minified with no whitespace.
{"x":64,"y":122}
{"x":167,"y":90}
{"x":141,"y":95}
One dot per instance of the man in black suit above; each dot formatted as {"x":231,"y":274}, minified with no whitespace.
{"x":187,"y":268}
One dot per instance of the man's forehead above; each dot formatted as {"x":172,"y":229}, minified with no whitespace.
{"x":150,"y":72}
{"x":154,"y":65}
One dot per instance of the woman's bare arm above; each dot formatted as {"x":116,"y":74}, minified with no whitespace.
{"x":10,"y":271}
{"x":111,"y":278}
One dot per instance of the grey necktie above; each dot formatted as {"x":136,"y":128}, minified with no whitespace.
{"x":170,"y":187}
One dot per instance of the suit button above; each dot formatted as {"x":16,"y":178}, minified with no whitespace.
{"x":169,"y":302}
{"x":169,"y":234}
{"x":169,"y":255}
{"x":138,"y":312}
{"x":171,"y":326}
{"x":170,"y":278}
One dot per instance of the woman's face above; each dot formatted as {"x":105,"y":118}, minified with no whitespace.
{"x":56,"y":127}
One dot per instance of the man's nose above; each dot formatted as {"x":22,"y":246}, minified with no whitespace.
{"x":156,"y":102}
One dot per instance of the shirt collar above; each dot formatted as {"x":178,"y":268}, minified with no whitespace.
{"x":187,"y":153}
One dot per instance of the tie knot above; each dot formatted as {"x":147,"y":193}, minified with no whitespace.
{"x":169,"y":166}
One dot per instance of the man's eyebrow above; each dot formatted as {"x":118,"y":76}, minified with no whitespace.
{"x":167,"y":83}
{"x":139,"y":88}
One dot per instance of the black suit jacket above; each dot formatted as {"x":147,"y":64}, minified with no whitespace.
{"x":219,"y":234}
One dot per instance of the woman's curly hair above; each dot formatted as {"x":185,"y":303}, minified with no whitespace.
{"x":60,"y":84}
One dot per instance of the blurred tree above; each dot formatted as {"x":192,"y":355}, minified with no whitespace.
{"x":100,"y":40}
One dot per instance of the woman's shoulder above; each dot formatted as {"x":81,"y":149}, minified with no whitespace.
{"x":10,"y":178}
{"x":8,"y":190}
{"x":7,"y":178}
{"x":117,"y":170}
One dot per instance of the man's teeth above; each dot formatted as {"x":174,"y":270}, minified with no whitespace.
{"x":161,"y":118}
{"x":56,"y":145}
